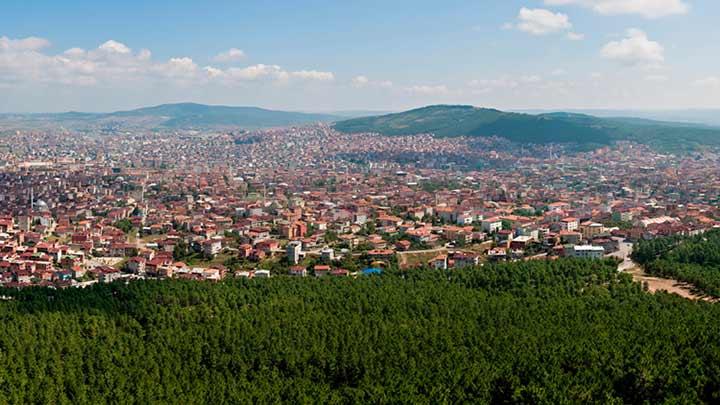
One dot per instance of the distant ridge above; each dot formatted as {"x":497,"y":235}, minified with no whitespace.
{"x":559,"y":127}
{"x":175,"y":116}
{"x":186,"y":115}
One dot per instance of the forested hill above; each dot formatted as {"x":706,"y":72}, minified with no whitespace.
{"x":532,"y":332}
{"x":459,"y":120}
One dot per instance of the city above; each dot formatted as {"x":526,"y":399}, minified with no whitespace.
{"x":79,"y":209}
{"x":369,"y":202}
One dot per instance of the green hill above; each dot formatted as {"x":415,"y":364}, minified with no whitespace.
{"x":460,"y":120}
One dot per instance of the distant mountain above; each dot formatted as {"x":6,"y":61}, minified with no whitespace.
{"x":189,"y":115}
{"x":172,"y":116}
{"x":694,"y":116}
{"x":347,"y":114}
{"x":560,"y":127}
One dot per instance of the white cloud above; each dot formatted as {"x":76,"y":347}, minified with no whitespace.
{"x":313,"y":75}
{"x":114,"y":47}
{"x":428,"y":90}
{"x":540,"y":21}
{"x":267,"y":72}
{"x":113,"y":63}
{"x":574,"y":36}
{"x":363,"y":81}
{"x":710,"y":81}
{"x":213,"y":72}
{"x":25,"y":44}
{"x":75,"y":53}
{"x":183,"y":68}
{"x":645,"y":8}
{"x":256,"y":72}
{"x":503,"y":83}
{"x":360,"y":81}
{"x":231,"y":55}
{"x":635,"y":49}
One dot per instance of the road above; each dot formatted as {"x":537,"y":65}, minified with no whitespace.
{"x":623,"y":253}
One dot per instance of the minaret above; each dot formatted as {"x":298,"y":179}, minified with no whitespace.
{"x":32,"y":200}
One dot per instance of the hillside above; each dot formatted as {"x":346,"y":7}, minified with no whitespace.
{"x":530,"y":332}
{"x":449,"y":121}
{"x":170,"y":116}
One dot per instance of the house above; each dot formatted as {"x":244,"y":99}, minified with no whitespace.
{"x":569,"y":224}
{"x":298,"y":271}
{"x":497,"y":253}
{"x":381,"y":254}
{"x":212,"y":247}
{"x":590,"y":230}
{"x":491,"y":225}
{"x":520,"y":242}
{"x":570,"y":237}
{"x":461,"y":260}
{"x":78,"y":272}
{"x":268,"y":246}
{"x":136,"y":265}
{"x":403,"y":245}
{"x":321,"y":270}
{"x":465,"y":218}
{"x":389,"y":221}
{"x":447,"y":215}
{"x":215,"y":273}
{"x":245,"y":250}
{"x":261,"y":274}
{"x":439,"y":262}
{"x":107,"y":274}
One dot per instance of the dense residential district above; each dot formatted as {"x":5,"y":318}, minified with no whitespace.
{"x":82,"y":208}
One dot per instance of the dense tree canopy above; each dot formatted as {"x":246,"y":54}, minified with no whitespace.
{"x":531,"y":332}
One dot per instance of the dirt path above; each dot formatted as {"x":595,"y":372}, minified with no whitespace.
{"x":654,"y":284}
{"x":685,"y":290}
{"x":414,"y":257}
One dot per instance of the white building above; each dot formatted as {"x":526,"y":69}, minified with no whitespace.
{"x":491,"y":225}
{"x":588,"y":251}
{"x":327,"y":254}
{"x":262,"y":274}
{"x":569,"y":224}
{"x":294,"y":250}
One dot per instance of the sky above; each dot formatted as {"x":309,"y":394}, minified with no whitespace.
{"x":330,"y":55}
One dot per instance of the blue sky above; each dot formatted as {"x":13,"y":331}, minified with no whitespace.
{"x":342,"y":55}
